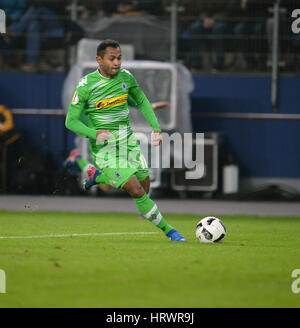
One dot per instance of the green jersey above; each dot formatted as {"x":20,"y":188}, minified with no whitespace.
{"x":105,"y":102}
{"x":84,"y":118}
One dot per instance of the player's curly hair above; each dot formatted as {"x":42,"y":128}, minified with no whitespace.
{"x":105,"y":44}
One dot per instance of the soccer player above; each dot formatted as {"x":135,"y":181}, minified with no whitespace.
{"x":75,"y":158}
{"x":116,"y":154}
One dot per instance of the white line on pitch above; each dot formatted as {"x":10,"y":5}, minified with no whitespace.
{"x":78,"y":235}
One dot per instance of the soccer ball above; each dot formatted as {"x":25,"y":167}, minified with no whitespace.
{"x":210,"y":230}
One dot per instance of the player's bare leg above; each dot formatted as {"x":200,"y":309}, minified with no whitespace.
{"x":134,"y":188}
{"x":149,"y":210}
{"x":146,"y":184}
{"x":104,"y":187}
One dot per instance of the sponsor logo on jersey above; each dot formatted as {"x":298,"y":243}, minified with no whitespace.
{"x":75,"y":99}
{"x":111,"y":102}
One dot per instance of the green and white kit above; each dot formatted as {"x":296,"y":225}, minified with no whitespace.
{"x":105,"y":102}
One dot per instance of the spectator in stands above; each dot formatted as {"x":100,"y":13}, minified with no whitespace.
{"x":123,"y":7}
{"x":43,"y":19}
{"x":94,"y":9}
{"x":251,"y":32}
{"x":134,"y":7}
{"x":152,"y":7}
{"x":13,"y":9}
{"x":37,"y":20}
{"x":213,"y":25}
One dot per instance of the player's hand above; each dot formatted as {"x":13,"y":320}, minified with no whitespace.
{"x":156,"y":138}
{"x":102,"y":135}
{"x":160,"y":104}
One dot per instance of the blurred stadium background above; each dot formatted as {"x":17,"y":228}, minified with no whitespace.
{"x":229,"y":69}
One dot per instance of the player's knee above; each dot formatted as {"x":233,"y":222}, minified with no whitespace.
{"x":134,"y":188}
{"x":104,"y":187}
{"x":137,"y":192}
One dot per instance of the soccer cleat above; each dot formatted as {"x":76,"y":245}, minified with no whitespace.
{"x":72,"y":158}
{"x":174,"y":235}
{"x":92,"y":174}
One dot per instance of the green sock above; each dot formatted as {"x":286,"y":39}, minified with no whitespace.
{"x":149,"y":211}
{"x":102,"y":178}
{"x":83,"y":164}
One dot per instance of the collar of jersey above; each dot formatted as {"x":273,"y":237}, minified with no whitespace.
{"x":107,"y":78}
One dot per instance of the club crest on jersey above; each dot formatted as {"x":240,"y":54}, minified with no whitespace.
{"x":124,"y":86}
{"x":111,"y":102}
{"x":117,"y":174}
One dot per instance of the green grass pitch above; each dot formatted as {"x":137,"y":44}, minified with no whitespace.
{"x":252,"y":267}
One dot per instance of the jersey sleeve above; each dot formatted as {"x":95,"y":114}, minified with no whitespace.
{"x":75,"y":111}
{"x":131,"y":102}
{"x":143,"y":104}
